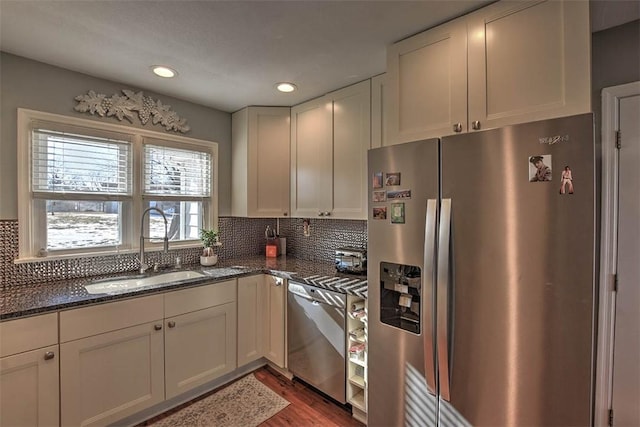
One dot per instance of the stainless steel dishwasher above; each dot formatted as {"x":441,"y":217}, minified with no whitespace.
{"x":316,"y":338}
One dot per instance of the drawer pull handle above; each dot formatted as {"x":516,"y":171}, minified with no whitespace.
{"x":49,"y":355}
{"x":157,"y":327}
{"x":171,"y":324}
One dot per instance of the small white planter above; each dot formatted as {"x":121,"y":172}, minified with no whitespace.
{"x":209,"y":260}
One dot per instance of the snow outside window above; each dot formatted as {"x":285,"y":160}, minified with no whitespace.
{"x":83,"y":185}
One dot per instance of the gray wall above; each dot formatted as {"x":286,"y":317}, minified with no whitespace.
{"x":37,"y":86}
{"x":615,"y":56}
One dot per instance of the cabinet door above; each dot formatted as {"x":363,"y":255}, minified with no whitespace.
{"x":378,"y":111}
{"x":260,"y":162}
{"x":311,"y":140}
{"x":269,"y":166}
{"x":107,"y":377}
{"x":199,"y":347}
{"x":427,"y":84}
{"x":29,"y":388}
{"x":528,"y":61}
{"x":251,"y":315}
{"x":351,"y":140}
{"x":274,"y":325}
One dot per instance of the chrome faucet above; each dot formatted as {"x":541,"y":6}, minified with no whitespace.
{"x":143,"y":265}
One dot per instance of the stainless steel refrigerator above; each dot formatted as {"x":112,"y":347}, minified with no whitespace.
{"x":481,"y":257}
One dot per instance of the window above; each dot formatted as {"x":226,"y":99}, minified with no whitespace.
{"x":83,"y":186}
{"x":177,"y":181}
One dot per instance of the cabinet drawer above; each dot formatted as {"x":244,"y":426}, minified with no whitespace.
{"x":188,"y":300}
{"x":85,"y":322}
{"x":17,"y":336}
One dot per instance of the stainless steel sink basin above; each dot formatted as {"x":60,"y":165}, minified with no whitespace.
{"x":131,"y":283}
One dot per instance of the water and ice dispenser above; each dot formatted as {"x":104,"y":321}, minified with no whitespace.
{"x":400,"y":296}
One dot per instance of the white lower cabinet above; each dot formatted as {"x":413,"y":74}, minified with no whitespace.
{"x":112,"y":375}
{"x":251,"y":314}
{"x":29,"y":378}
{"x":261,"y":319}
{"x":275,"y":320}
{"x":119,"y":358}
{"x":111,"y":360}
{"x":200,"y":335}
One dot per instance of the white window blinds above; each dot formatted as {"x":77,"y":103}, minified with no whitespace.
{"x":172,"y":171}
{"x":79,"y":164}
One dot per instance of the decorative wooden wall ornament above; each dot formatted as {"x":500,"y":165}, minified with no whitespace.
{"x":125,"y":107}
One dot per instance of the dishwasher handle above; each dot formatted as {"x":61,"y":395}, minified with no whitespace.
{"x":317,"y":295}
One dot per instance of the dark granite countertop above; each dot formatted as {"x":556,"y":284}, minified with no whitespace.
{"x":36,"y":299}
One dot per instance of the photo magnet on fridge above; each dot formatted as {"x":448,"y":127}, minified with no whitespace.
{"x":566,"y":181}
{"x":397,"y":213}
{"x":392,"y":178}
{"x":540,"y":168}
{"x":379,"y":196}
{"x":380,"y":213}
{"x":399,"y":194}
{"x":377,"y":180}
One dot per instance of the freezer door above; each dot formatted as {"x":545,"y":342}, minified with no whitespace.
{"x":521,"y":278}
{"x":403,"y":188}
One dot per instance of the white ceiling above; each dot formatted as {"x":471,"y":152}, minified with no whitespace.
{"x":229,"y":54}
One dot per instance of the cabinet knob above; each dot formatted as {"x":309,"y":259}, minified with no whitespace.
{"x":457,"y":127}
{"x":320,"y":213}
{"x":285,"y":213}
{"x":157,"y":327}
{"x":171,"y":324}
{"x":327,"y":214}
{"x":475,"y":125}
{"x":49,"y":355}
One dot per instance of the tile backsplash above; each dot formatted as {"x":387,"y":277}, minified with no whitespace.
{"x":239,"y":237}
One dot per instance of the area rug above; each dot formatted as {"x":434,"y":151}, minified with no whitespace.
{"x":245,"y":403}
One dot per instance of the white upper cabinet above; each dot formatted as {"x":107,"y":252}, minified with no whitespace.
{"x":330,"y":137}
{"x":528,"y":61}
{"x":427,"y":83}
{"x":260,"y":162}
{"x":378,"y":111}
{"x":311,"y":140}
{"x":510,"y":62}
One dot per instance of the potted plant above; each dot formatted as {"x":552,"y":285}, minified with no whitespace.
{"x":209,"y":240}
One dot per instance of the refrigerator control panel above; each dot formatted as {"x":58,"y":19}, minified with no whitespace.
{"x":400,"y":287}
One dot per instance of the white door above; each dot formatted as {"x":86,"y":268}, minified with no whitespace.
{"x":626,"y":356}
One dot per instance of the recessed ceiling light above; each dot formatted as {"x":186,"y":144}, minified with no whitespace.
{"x":286,"y":87}
{"x":162,"y":71}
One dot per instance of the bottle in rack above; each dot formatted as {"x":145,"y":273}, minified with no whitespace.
{"x":357,"y":356}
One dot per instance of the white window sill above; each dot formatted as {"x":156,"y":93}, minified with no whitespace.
{"x":58,"y":257}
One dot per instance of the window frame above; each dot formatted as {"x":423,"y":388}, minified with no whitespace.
{"x":31,"y":222}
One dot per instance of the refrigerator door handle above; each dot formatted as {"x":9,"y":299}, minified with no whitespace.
{"x":428,"y":290}
{"x":442,"y":292}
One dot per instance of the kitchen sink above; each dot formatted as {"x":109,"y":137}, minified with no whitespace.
{"x":129,"y":283}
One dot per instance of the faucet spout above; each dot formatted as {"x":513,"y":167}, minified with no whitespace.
{"x":143,"y":265}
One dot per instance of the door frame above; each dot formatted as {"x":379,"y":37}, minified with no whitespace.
{"x":608,"y":248}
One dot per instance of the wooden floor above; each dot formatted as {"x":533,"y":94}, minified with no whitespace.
{"x":308,"y":408}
